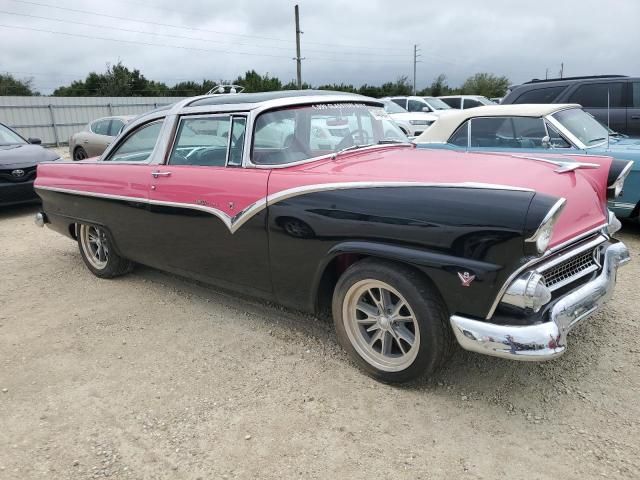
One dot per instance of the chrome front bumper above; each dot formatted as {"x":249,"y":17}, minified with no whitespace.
{"x":548,"y":340}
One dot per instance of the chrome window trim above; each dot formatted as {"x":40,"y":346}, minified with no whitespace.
{"x":255,"y":113}
{"x":536,"y":260}
{"x":104,"y":158}
{"x":174,"y":137}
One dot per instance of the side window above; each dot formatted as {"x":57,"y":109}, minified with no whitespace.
{"x":636,"y":95}
{"x":594,"y":95}
{"x":236,"y":146}
{"x":416,"y":106}
{"x":100,"y":127}
{"x":460,"y":136}
{"x":540,"y":95}
{"x":471,"y":103}
{"x":556,"y":140}
{"x":529,"y":131}
{"x":493,"y":132}
{"x":400,"y":101}
{"x":201,"y":141}
{"x":453,"y":102}
{"x":116,"y":126}
{"x":138,"y":146}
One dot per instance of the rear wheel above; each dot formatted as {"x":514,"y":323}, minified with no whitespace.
{"x":391,"y":320}
{"x":98,"y":254}
{"x":79,"y":154}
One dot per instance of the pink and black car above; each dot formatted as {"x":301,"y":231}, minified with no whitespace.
{"x":317,"y":201}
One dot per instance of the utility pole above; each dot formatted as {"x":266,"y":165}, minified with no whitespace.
{"x":561,"y":69}
{"x":546,"y":74}
{"x":416,"y":54}
{"x":298,"y":58}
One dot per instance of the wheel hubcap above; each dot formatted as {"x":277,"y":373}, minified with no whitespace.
{"x":95,"y":245}
{"x":381,"y":325}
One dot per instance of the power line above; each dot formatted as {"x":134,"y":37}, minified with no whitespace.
{"x":169,"y":35}
{"x":159,"y":24}
{"x":134,"y":42}
{"x":164,"y":45}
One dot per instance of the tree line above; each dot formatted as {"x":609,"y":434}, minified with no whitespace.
{"x":120,"y":81}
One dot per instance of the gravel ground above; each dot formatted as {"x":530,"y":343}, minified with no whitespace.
{"x":152,"y":376}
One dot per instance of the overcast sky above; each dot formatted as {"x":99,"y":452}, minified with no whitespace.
{"x":354,"y":41}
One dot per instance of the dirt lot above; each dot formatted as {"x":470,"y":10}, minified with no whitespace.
{"x":152,"y":376}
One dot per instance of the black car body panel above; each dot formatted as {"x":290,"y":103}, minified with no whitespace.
{"x":620,"y":93}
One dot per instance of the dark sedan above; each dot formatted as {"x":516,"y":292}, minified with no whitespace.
{"x":18,"y":161}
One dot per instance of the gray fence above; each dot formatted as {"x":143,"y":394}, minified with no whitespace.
{"x":55,"y":119}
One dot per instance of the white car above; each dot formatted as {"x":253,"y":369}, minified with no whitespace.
{"x":431,"y":105}
{"x":411,"y":123}
{"x":462,"y":102}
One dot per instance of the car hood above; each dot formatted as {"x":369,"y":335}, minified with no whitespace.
{"x":583,"y":189}
{"x":24,"y":155}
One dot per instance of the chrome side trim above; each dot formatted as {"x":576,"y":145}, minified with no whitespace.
{"x":536,"y":260}
{"x":235,"y":222}
{"x":543,"y":341}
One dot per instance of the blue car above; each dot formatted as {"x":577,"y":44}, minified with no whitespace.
{"x":564,"y":129}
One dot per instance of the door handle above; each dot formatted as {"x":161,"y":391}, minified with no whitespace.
{"x":635,"y":117}
{"x":160,"y":174}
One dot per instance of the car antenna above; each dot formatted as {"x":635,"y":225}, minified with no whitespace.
{"x":608,"y":115}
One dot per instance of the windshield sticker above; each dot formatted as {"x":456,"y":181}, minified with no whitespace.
{"x":330,"y":106}
{"x":379,"y":113}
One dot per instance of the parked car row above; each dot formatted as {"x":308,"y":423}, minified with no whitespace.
{"x":318,"y":201}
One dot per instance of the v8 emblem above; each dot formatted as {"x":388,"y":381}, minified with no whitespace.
{"x":466,"y":278}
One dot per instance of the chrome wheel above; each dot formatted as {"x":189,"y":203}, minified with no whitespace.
{"x":95,"y":245}
{"x":381,"y":325}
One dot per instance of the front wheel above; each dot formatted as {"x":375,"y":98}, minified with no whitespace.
{"x":96,"y":249}
{"x":391,"y":320}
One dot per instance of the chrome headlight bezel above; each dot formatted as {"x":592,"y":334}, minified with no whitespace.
{"x":613,"y":224}
{"x":615,"y":189}
{"x":542,"y":236}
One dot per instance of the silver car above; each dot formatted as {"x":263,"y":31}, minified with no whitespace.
{"x":96,"y":136}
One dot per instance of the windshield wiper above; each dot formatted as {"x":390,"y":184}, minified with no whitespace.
{"x":593,"y":140}
{"x":393,"y":142}
{"x":352,"y":147}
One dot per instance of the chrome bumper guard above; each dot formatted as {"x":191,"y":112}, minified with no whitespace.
{"x":548,"y":340}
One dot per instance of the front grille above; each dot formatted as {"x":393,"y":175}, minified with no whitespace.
{"x":572,"y":269}
{"x":7,"y":176}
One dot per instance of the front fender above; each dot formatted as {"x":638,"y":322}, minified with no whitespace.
{"x":446,"y":271}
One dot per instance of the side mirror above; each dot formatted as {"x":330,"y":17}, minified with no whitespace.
{"x":426,"y":109}
{"x":546,"y":142}
{"x":34,"y":141}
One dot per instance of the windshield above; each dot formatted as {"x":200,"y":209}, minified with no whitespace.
{"x":586,"y":128}
{"x":436,"y":103}
{"x":9,"y":137}
{"x":392,"y":107}
{"x":298,"y":133}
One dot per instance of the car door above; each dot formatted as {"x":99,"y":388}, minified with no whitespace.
{"x":633,"y":110}
{"x":605,"y":101}
{"x":114,"y":192}
{"x":208,"y":211}
{"x":96,"y":143}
